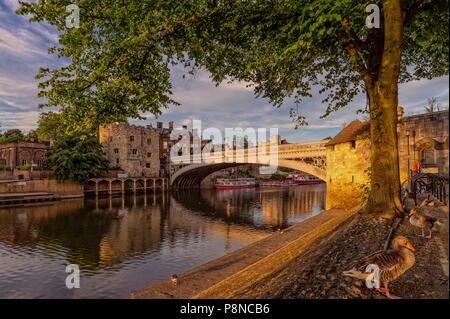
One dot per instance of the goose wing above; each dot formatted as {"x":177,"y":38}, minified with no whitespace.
{"x":385,"y":260}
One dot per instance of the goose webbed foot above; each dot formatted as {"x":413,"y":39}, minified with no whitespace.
{"x":388,"y":294}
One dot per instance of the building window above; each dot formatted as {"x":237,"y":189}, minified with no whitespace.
{"x":353,"y":144}
{"x":131,"y":138}
{"x":40,"y":162}
{"x":134,"y":151}
{"x":117,"y":161}
{"x":165,"y":145}
{"x":149,"y":154}
{"x":24,"y":162}
{"x":147,"y":165}
{"x":428,"y":157}
{"x":149,"y":141}
{"x":116,"y":151}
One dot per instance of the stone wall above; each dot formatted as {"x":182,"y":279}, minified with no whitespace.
{"x":346,"y":173}
{"x":427,"y":136}
{"x":135,"y":149}
{"x":45,"y":185}
{"x":22,"y":153}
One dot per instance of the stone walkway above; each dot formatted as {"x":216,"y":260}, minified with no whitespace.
{"x":318,"y":272}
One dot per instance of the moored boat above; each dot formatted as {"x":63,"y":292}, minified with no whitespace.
{"x":306,"y":179}
{"x":231,"y":183}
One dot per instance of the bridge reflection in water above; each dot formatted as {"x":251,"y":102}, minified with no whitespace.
{"x":124,"y":244}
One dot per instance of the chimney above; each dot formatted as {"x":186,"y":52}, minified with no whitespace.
{"x":171,"y":125}
{"x":159,"y":125}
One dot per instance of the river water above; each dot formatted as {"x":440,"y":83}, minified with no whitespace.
{"x":125,"y":244}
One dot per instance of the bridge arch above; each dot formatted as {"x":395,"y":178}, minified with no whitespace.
{"x":307,"y":157}
{"x":192,"y":175}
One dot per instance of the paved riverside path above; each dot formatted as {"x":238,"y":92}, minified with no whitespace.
{"x":225,"y":276}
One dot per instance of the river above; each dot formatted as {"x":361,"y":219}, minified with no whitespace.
{"x":125,"y":244}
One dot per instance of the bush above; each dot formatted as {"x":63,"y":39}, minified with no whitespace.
{"x":27,"y":167}
{"x":77,"y":159}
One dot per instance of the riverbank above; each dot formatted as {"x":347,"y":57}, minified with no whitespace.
{"x":227,"y":276}
{"x":307,"y":261}
{"x":318,"y":273}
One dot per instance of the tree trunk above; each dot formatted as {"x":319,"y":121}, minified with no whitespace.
{"x":385,"y":178}
{"x":382,"y":92}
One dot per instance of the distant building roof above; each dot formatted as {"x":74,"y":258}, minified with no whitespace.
{"x":351,"y":132}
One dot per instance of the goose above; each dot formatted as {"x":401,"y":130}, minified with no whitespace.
{"x":423,"y":222}
{"x":391,"y":264}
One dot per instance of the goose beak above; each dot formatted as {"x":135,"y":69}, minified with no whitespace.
{"x":410,"y":246}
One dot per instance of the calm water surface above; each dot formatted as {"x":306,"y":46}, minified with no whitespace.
{"x":126,"y":244}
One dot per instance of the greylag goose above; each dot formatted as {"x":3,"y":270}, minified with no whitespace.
{"x":423,"y":221}
{"x":391,"y":264}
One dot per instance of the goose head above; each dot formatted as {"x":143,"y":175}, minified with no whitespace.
{"x":400,"y":242}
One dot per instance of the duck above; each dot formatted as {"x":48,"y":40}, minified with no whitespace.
{"x":423,"y":221}
{"x":174,"y":279}
{"x":391,"y":263}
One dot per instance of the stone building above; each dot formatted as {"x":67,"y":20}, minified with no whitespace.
{"x":422,"y":138}
{"x":165,"y":144}
{"x":348,"y":151}
{"x":135,"y":149}
{"x":22,"y":153}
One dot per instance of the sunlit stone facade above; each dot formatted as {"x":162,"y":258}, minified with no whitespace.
{"x":135,"y":149}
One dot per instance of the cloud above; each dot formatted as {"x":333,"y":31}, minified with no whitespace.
{"x":23,"y":49}
{"x":12,"y":4}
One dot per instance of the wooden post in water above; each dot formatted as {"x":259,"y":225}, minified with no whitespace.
{"x":96,"y":188}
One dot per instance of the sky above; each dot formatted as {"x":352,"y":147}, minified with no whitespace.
{"x":23,"y":50}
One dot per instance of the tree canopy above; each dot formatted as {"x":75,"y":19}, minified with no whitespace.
{"x":122,"y":52}
{"x":16,"y":135}
{"x":121,"y":55}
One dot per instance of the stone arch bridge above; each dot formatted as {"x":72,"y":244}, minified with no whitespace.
{"x":308,"y":157}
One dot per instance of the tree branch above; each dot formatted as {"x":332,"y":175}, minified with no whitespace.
{"x":353,"y":46}
{"x":410,"y":12}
